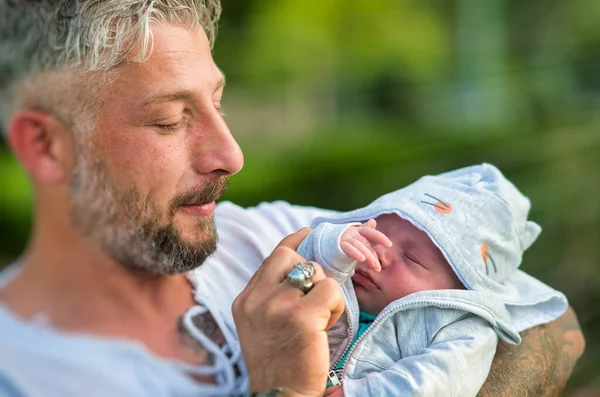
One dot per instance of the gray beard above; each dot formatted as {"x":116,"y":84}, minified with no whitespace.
{"x":128,"y":229}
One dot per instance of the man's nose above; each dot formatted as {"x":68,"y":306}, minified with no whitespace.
{"x":215,"y":149}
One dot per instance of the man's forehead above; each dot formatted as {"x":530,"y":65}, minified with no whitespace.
{"x":172,"y":44}
{"x":179,"y":67}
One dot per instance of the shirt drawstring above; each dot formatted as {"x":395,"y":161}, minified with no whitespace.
{"x":223,"y":367}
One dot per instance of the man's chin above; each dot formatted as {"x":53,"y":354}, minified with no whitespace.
{"x":198,"y":243}
{"x":193,"y":229}
{"x":178,"y":247}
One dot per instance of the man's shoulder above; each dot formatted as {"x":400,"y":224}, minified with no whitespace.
{"x":37,"y":360}
{"x":8,"y":274}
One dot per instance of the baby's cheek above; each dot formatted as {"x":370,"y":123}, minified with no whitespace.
{"x":455,"y":283}
{"x":368,"y":301}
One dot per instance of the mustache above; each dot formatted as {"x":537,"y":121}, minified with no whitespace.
{"x":201,"y":195}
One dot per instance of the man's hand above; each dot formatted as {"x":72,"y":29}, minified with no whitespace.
{"x":357,"y":242}
{"x":541,"y":365}
{"x":282,"y":330}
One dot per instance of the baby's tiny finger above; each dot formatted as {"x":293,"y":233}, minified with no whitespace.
{"x":352,"y":251}
{"x":375,"y":236}
{"x":371,"y":223}
{"x":370,"y":256}
{"x":385,"y":240}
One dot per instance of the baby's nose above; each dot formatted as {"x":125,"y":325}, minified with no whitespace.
{"x":384,"y":255}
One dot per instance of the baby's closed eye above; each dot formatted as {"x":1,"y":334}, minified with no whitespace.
{"x":414,"y":258}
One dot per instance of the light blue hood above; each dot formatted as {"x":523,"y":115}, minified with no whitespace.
{"x":478,"y":220}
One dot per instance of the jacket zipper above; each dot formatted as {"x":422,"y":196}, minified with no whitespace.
{"x":380,"y":318}
{"x":348,"y":343}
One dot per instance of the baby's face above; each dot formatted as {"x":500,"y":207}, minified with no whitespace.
{"x":412,"y":264}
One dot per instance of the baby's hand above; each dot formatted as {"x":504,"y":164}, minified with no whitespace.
{"x":334,"y":391}
{"x":357,"y":242}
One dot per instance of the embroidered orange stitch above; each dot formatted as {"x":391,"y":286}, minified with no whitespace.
{"x":443,"y":208}
{"x":484,"y":252}
{"x":440,"y":206}
{"x":485,"y":255}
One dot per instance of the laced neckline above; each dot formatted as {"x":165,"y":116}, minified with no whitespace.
{"x":226,"y":357}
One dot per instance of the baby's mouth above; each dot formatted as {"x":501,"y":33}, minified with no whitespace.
{"x":364,"y":279}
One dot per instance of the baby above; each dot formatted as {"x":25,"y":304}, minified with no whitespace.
{"x":430,"y":281}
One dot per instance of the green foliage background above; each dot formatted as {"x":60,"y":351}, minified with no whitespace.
{"x":337,"y":102}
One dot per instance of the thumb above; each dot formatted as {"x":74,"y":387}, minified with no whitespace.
{"x":293,"y":240}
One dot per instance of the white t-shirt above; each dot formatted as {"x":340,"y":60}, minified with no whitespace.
{"x":37,"y":360}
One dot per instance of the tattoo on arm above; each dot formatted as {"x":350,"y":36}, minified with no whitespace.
{"x":541,"y":365}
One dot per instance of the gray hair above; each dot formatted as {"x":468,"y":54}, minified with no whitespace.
{"x":38,"y":36}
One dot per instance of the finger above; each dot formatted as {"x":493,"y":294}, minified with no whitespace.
{"x":252,"y":283}
{"x":293,"y":240}
{"x":286,"y":291}
{"x":326,"y":295}
{"x":364,"y":248}
{"x":375,"y":236}
{"x":276,"y":273}
{"x":352,"y":252}
{"x":371,"y":223}
{"x":274,"y":299}
{"x":370,"y":256}
{"x":287,"y":247}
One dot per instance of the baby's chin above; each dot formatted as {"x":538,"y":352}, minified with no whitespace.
{"x":365,"y":299}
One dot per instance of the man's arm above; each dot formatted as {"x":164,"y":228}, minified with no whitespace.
{"x":541,"y":365}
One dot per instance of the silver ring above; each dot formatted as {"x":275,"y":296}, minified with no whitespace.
{"x":301,"y":276}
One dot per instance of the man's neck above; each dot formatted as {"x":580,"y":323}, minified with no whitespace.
{"x":86,"y":293}
{"x":75,"y":286}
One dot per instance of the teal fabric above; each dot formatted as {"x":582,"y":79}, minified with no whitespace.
{"x":364,"y":321}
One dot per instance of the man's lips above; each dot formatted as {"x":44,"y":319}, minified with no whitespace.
{"x":364,"y":279}
{"x":200,"y":200}
{"x":201,"y":209}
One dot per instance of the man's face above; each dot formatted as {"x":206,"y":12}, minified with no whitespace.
{"x":143,"y":189}
{"x":412,"y":264}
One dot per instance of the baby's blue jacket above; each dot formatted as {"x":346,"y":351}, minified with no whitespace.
{"x":442,"y":342}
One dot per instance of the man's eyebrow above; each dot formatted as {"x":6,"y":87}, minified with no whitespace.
{"x":182,"y":95}
{"x":170,"y":97}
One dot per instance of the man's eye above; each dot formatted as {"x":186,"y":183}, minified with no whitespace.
{"x":168,"y":127}
{"x":171,"y":127}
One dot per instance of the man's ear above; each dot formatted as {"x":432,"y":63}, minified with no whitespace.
{"x":42,"y":144}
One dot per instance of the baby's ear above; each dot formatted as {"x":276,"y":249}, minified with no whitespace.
{"x":530,"y":233}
